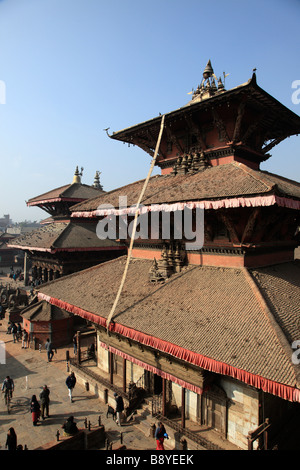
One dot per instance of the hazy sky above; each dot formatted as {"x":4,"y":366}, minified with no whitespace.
{"x":71,"y":68}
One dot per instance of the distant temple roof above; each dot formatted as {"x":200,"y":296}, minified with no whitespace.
{"x":63,"y":236}
{"x":74,"y":192}
{"x":43,"y":311}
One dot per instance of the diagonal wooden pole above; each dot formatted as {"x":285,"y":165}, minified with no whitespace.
{"x":135,"y":224}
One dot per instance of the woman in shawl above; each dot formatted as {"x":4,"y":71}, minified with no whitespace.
{"x":35,"y":410}
{"x":11,"y":440}
{"x":160,"y":434}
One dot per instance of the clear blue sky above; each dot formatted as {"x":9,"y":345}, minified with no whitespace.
{"x":74,"y":67}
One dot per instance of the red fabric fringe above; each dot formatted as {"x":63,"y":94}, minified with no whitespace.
{"x":269,"y":386}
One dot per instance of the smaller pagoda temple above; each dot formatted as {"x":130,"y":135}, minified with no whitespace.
{"x":42,"y":320}
{"x":62,"y":246}
{"x":58,"y":202}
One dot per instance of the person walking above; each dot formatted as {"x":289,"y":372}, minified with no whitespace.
{"x":24,"y":339}
{"x":14,"y":331}
{"x":45,"y":400}
{"x":160,"y":434}
{"x":19,"y":332}
{"x":49,"y":349}
{"x":119,"y":408}
{"x":71,"y":382}
{"x":35,"y":410}
{"x":11,"y":440}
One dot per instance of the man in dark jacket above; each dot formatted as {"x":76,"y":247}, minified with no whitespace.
{"x":119,"y":408}
{"x":45,"y":400}
{"x":49,"y":349}
{"x":71,"y":382}
{"x":14,"y":331}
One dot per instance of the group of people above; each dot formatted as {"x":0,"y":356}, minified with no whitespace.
{"x":40,"y":409}
{"x":18,"y":333}
{"x":160,"y":432}
{"x":18,"y":275}
{"x":69,"y":428}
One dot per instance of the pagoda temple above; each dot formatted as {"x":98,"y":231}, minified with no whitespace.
{"x":62,"y":246}
{"x":206,"y":329}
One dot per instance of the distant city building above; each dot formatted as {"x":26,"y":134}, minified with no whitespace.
{"x":5,"y":221}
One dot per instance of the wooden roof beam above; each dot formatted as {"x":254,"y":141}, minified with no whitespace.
{"x":238,"y":122}
{"x":196,"y":130}
{"x":174,"y":139}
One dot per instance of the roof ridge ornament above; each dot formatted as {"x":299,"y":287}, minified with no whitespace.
{"x":77,"y":176}
{"x":210,"y":84}
{"x":96,"y":183}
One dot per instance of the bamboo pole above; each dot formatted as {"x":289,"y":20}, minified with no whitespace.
{"x":110,"y":316}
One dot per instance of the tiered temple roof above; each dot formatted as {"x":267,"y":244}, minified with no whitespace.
{"x":249,"y":121}
{"x":234,"y":321}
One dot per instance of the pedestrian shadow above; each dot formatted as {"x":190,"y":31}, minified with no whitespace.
{"x":54,"y":419}
{"x":84,"y":397}
{"x":20,"y":405}
{"x":60,"y":418}
{"x":6,"y":422}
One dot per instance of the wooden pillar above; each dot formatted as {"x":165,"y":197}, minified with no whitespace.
{"x":183,"y":407}
{"x":124,"y":375}
{"x":111,"y":367}
{"x":78,"y":347}
{"x":164,"y":397}
{"x":26,"y":269}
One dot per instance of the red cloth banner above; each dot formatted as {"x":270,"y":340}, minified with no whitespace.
{"x":269,"y":386}
{"x":228,"y":203}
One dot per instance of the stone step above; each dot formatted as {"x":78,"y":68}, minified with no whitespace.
{"x":144,"y":427}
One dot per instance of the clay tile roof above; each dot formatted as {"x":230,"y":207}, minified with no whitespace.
{"x":42,"y":311}
{"x":228,"y":324}
{"x":75,"y":191}
{"x":43,"y":237}
{"x":62,"y":235}
{"x":280,"y":286}
{"x":219,"y":182}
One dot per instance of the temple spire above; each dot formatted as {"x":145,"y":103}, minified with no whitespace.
{"x":208,"y":71}
{"x":209,"y":86}
{"x":97,"y":184}
{"x":77,"y":176}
